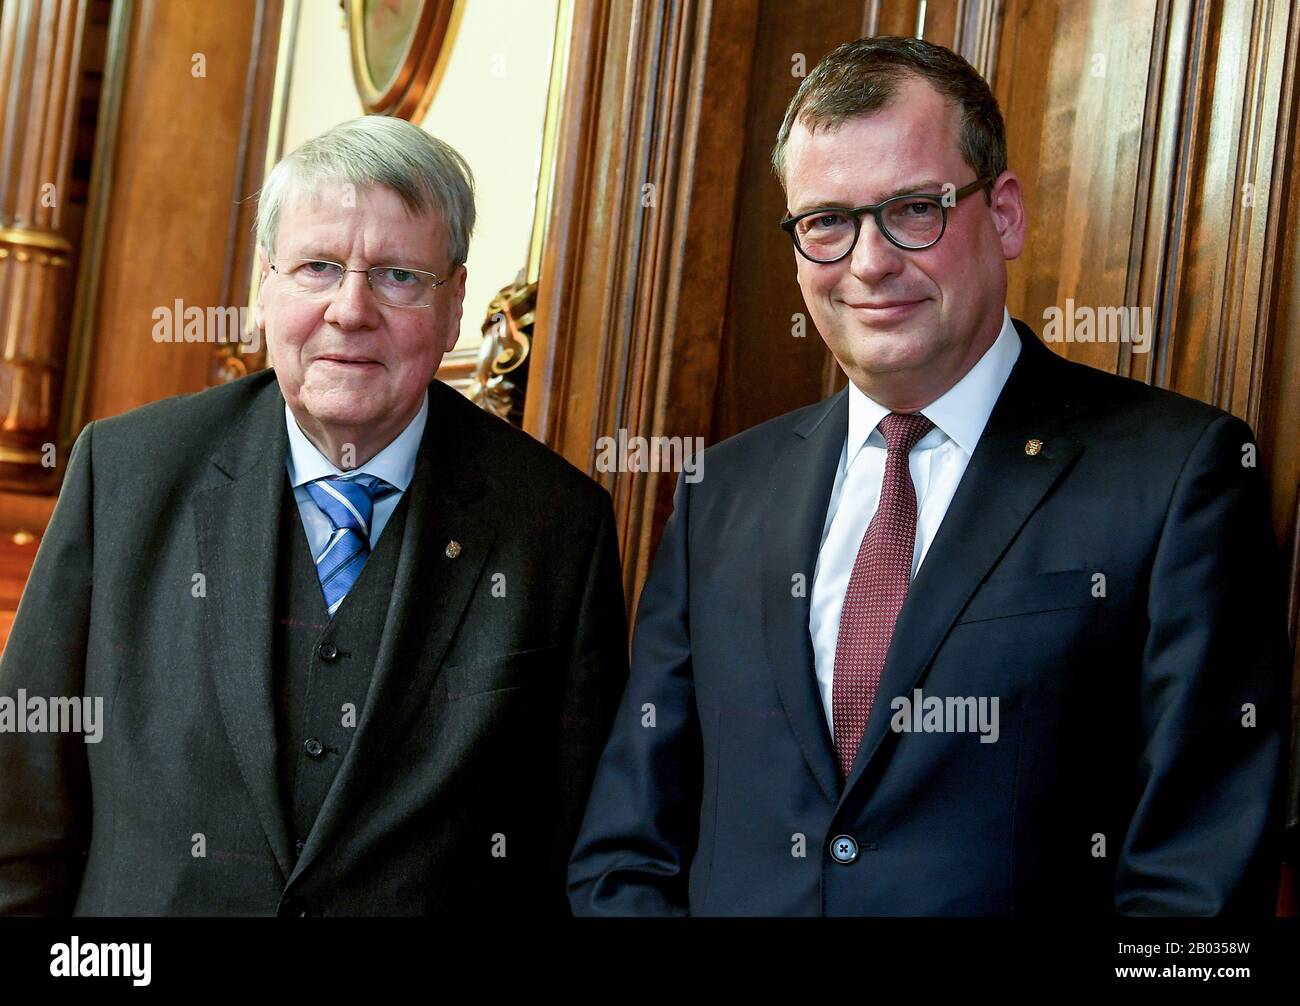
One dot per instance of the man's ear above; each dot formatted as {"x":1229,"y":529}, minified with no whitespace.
{"x":259,"y":313}
{"x":1008,"y":208}
{"x":456,"y":309}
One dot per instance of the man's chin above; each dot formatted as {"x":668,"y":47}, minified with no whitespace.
{"x":886,"y":351}
{"x":351,"y":411}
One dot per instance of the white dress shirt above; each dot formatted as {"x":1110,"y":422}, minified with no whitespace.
{"x":937,"y":464}
{"x":395,"y":464}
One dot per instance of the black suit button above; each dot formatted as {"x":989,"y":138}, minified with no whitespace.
{"x":313,"y":747}
{"x":328,"y":651}
{"x":844,"y":849}
{"x":298,"y":846}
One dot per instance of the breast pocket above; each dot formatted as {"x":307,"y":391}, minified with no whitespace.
{"x":1030,"y":594}
{"x":518,"y":669}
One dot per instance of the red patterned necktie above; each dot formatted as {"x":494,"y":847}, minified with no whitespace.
{"x":877,"y":588}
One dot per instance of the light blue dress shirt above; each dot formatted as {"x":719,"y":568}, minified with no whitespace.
{"x":395,"y":464}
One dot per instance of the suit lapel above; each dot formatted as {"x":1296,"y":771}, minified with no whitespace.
{"x":1001,"y":487}
{"x":430,"y":593}
{"x":793,"y":520}
{"x":238,"y":530}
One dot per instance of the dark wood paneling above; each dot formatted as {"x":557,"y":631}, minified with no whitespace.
{"x":765,"y":369}
{"x":635,"y":275}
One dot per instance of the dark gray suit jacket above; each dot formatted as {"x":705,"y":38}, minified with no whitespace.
{"x":485,"y":713}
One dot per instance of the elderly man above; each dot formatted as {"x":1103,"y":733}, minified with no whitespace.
{"x":986,"y":633}
{"x":358,"y":643}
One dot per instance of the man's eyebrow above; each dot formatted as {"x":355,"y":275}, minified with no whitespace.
{"x":315,"y":252}
{"x":928,"y":186}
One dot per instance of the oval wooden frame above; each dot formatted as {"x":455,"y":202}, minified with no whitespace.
{"x":421,"y":70}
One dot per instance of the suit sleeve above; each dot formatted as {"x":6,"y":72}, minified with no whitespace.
{"x":598,"y":670}
{"x":44,"y":783}
{"x":642,"y":820}
{"x":1204,"y":838}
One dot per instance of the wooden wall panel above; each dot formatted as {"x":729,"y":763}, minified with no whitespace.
{"x":182,"y":156}
{"x":1071,"y":80}
{"x":1167,"y":183}
{"x":634,"y":279}
{"x":765,"y":369}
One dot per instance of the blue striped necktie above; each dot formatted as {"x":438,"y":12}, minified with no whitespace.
{"x":349,"y":503}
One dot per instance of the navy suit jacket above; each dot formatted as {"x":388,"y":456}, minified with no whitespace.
{"x":1142,"y":713}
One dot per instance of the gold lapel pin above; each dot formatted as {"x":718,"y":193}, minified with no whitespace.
{"x":1032,"y":447}
{"x":452,"y":550}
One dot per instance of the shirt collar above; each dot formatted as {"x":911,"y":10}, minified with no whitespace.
{"x":395,"y":464}
{"x":962,"y":411}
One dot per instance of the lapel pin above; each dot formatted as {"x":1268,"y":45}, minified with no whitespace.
{"x":1032,"y":447}
{"x":452,"y":550}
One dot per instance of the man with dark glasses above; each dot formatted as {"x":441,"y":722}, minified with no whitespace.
{"x":986,"y":633}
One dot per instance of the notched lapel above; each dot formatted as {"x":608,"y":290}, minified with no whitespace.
{"x":237,"y":522}
{"x":795,"y":513}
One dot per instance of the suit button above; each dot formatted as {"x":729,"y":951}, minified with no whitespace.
{"x":844,"y":849}
{"x":328,"y":651}
{"x":298,"y":846}
{"x":313,"y":747}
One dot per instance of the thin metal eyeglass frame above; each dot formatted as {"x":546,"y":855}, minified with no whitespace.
{"x":436,"y":282}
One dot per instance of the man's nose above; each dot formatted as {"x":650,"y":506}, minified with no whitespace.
{"x":874,"y":256}
{"x":353,"y":304}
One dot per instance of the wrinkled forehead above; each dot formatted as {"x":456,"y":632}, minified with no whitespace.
{"x":316,"y":195}
{"x":322,"y":214}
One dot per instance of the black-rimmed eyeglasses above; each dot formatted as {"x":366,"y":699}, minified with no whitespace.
{"x":912,"y":221}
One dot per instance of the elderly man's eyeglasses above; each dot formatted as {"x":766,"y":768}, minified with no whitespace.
{"x":911,"y":221}
{"x":393,"y":285}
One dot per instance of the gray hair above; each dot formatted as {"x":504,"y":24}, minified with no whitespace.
{"x":426,"y":173}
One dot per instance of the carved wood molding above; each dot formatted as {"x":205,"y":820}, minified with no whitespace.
{"x":1216,"y":248}
{"x":107,"y":117}
{"x":260,"y":113}
{"x":1210,"y":198}
{"x":979,"y":26}
{"x":634,"y":277}
{"x":40,"y":73}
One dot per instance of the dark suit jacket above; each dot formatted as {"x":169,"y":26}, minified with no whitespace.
{"x":1123,"y":778}
{"x":485,"y":713}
